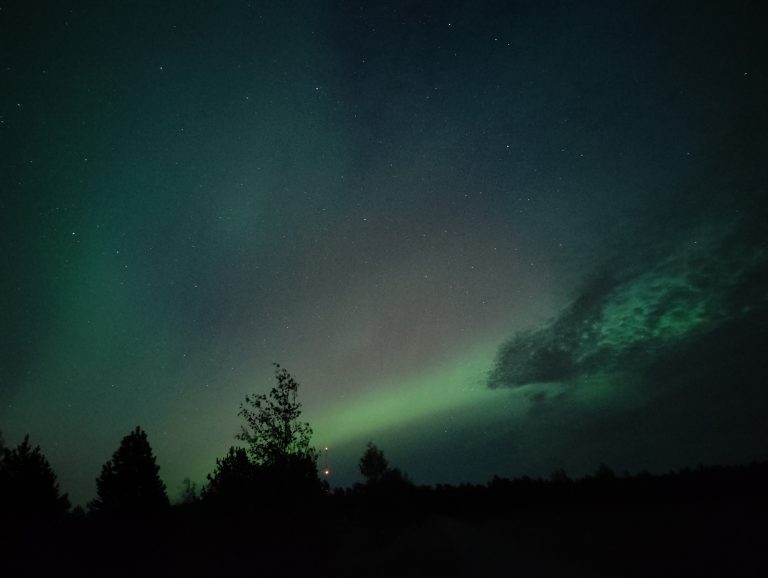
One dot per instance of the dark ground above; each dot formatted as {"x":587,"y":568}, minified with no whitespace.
{"x":726,"y":539}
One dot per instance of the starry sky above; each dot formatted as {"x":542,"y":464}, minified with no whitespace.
{"x":494,"y":237}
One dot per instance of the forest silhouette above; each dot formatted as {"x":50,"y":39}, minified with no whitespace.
{"x":265,"y":510}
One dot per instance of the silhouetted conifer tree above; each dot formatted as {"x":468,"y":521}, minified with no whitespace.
{"x":604,"y":474}
{"x":232,"y":485}
{"x":129,"y":483}
{"x":189,"y":493}
{"x":559,"y":476}
{"x":386,"y":489}
{"x":373,"y":465}
{"x":28,"y":484}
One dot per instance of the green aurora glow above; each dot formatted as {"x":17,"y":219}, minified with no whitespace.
{"x":403,"y":204}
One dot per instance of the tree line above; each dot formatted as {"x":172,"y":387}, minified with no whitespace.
{"x":276,"y":463}
{"x":276,"y":469}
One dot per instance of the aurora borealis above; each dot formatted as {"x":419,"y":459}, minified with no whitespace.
{"x":493,"y":237}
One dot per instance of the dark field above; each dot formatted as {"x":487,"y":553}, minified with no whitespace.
{"x":707,"y":522}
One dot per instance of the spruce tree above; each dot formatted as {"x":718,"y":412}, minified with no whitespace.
{"x":129,"y":483}
{"x":28,"y":484}
{"x":373,"y":465}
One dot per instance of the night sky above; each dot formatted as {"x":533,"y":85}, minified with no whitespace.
{"x":492,"y":237}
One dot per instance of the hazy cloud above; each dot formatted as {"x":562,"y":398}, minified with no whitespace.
{"x":637,"y":313}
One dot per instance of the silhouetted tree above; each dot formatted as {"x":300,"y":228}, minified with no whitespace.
{"x":387,"y":490}
{"x":559,"y":476}
{"x":278,"y":445}
{"x":273,"y":429}
{"x":232,"y":483}
{"x":604,"y":474}
{"x":129,"y":483}
{"x":189,"y":493}
{"x":395,"y":477}
{"x":28,"y":484}
{"x":373,"y":465}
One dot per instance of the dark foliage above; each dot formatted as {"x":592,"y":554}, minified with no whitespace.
{"x":28,"y":484}
{"x":379,"y":477}
{"x":387,"y":491}
{"x":240,"y":487}
{"x":129,"y":483}
{"x":707,"y":521}
{"x":272,"y":518}
{"x":373,"y":465}
{"x":278,"y":470}
{"x":291,"y":482}
{"x":232,"y":484}
{"x":189,"y":492}
{"x":273,"y":429}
